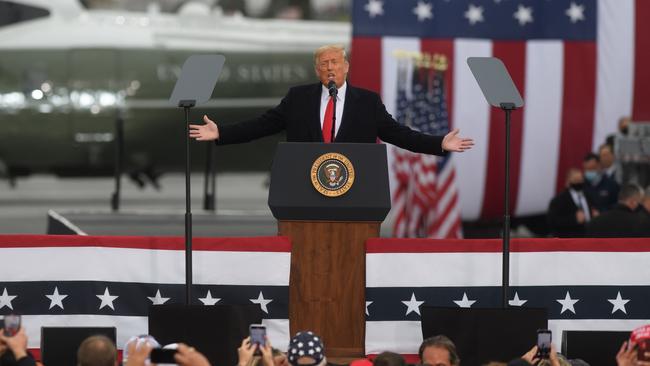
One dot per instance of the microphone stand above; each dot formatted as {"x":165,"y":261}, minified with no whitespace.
{"x":333,"y":96}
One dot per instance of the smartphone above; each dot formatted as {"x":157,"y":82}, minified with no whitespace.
{"x":11,"y":324}
{"x":162,"y":355}
{"x":258,"y":336}
{"x":543,"y":343}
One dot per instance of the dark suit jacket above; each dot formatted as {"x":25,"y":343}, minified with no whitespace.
{"x":619,"y":222}
{"x":562,"y":215}
{"x":364,"y":120}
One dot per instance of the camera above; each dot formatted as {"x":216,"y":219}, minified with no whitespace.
{"x":543,"y":343}
{"x":163,"y":356}
{"x":11,"y":324}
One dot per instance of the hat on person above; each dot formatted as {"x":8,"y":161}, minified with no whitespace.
{"x":306,"y":344}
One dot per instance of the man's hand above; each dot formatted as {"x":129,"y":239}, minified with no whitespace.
{"x":580,"y":217}
{"x":207,"y":132}
{"x":138,"y":353}
{"x":451,"y":142}
{"x":16,"y":343}
{"x":188,"y":356}
{"x":246,"y":352}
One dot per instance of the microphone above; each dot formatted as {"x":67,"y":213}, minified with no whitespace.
{"x":332,"y":88}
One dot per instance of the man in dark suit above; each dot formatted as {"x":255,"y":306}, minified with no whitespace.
{"x":625,"y":219}
{"x":306,"y":114}
{"x":572,"y":208}
{"x":603,"y":190}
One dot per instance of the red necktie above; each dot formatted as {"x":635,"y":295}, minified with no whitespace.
{"x":327,"y":121}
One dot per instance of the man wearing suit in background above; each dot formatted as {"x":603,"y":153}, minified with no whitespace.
{"x":625,"y":219}
{"x":306,"y":114}
{"x":572,"y":208}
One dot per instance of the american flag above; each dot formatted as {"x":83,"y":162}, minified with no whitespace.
{"x":111,"y":281}
{"x":425,"y":196}
{"x":579,"y":64}
{"x":585,"y":284}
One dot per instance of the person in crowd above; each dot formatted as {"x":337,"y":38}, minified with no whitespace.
{"x":247,"y":356}
{"x":531,"y":358}
{"x":388,"y":359}
{"x":13,"y":349}
{"x":306,"y":112}
{"x":279,"y":358}
{"x":306,"y":348}
{"x":645,"y":205}
{"x":97,"y":350}
{"x":628,"y":356}
{"x":623,"y":124}
{"x":603,"y":190}
{"x":438,"y":351}
{"x":625,"y":219}
{"x":571,"y":209}
{"x":608,"y":163}
{"x":185,"y":355}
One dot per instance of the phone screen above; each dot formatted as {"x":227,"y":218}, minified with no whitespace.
{"x":11,"y":324}
{"x":162,"y":355}
{"x":544,"y":342}
{"x":258,"y":334}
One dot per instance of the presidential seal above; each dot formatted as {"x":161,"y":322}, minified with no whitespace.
{"x":332,"y":174}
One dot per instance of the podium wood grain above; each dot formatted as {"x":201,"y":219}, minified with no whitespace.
{"x":327,"y":284}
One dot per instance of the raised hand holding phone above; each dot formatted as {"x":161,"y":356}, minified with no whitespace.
{"x":258,"y":337}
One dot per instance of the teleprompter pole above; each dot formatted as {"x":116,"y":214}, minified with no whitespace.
{"x":505,"y":271}
{"x":187,"y":104}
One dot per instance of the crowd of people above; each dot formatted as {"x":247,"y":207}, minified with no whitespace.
{"x":597,"y":202}
{"x":305,"y":349}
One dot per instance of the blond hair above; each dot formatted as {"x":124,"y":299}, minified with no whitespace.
{"x":329,"y":47}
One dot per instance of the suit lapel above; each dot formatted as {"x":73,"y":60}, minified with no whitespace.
{"x":350,"y":95}
{"x":313,"y":117}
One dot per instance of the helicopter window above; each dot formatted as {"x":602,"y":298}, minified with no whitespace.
{"x":11,"y":13}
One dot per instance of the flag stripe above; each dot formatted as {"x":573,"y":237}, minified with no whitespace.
{"x":472,"y":115}
{"x":444,"y":47}
{"x":516,"y":245}
{"x":578,"y":106}
{"x":365,"y":63}
{"x":262,"y":244}
{"x":158,"y":266}
{"x":513,"y":55}
{"x":641,"y":111}
{"x":615,"y":66}
{"x":542,"y":116}
{"x":389,"y":67}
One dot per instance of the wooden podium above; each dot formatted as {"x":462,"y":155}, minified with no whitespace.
{"x":328,"y":235}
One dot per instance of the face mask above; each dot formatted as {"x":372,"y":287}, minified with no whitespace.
{"x":624,"y":130}
{"x":577,"y":186}
{"x":592,"y":175}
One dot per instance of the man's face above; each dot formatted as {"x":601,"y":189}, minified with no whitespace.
{"x":332,"y":66}
{"x":606,"y":157}
{"x":591,"y":165}
{"x":575,"y":177}
{"x":436,"y":356}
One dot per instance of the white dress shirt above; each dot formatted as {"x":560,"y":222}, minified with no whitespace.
{"x":581,"y":202}
{"x":340,"y":102}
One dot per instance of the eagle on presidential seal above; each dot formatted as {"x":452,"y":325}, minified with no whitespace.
{"x":332,"y":174}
